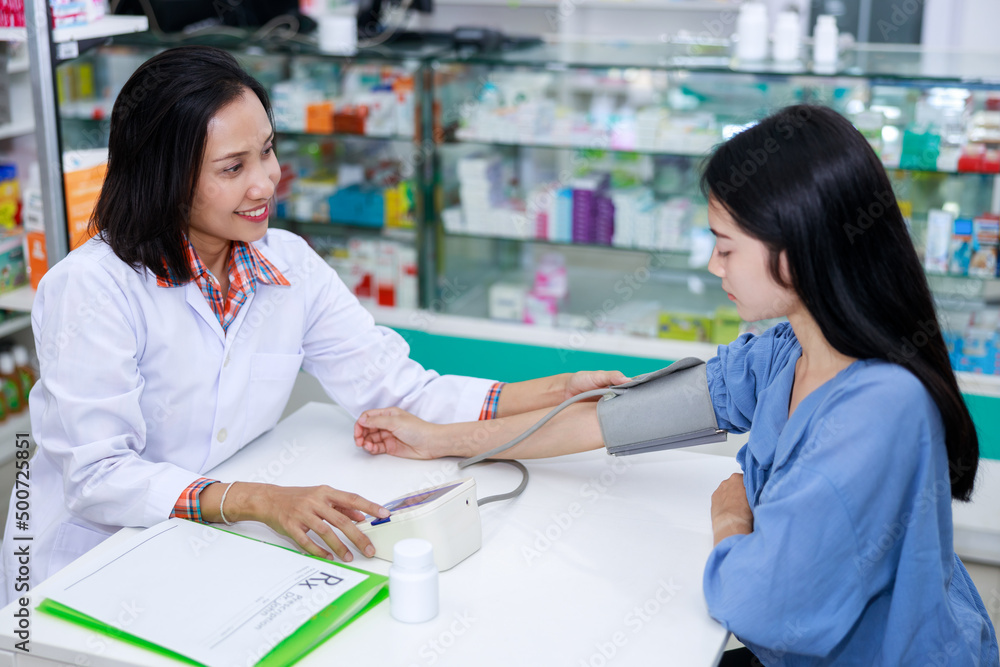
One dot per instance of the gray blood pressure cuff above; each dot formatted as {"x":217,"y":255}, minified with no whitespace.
{"x":665,"y":409}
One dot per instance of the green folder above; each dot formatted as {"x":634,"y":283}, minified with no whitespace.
{"x":327,"y":622}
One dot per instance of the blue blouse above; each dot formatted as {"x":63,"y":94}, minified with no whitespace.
{"x":850,"y":561}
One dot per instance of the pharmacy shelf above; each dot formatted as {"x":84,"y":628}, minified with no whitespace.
{"x":671,"y":260}
{"x":658,"y":5}
{"x":477,"y":328}
{"x":13,"y":34}
{"x":671,"y":257}
{"x":104,"y":27}
{"x":14,"y":324}
{"x":17,"y":129}
{"x":964,"y":288}
{"x":524,"y":334}
{"x":465,"y":136}
{"x":341,"y":229}
{"x":978,"y":384}
{"x":977,"y":524}
{"x":344,"y":135}
{"x":20,"y":300}
{"x":17,"y":66}
{"x":98,"y":111}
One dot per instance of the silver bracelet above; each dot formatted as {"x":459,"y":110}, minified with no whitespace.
{"x":223,"y":502}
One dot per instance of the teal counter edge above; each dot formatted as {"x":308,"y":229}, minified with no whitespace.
{"x":513,"y":362}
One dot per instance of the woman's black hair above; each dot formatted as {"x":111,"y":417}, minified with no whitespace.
{"x":159,"y":124}
{"x":805,"y":182}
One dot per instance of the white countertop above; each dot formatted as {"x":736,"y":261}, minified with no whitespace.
{"x":599,"y":561}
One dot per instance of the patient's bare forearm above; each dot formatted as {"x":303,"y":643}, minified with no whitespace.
{"x":575,"y":429}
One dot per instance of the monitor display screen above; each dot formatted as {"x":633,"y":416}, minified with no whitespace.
{"x":419,"y":498}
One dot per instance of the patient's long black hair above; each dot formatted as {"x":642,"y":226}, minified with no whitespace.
{"x":806,"y":182}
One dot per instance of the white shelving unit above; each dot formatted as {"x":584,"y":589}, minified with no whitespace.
{"x":13,"y":34}
{"x":19,"y":300}
{"x":980,"y":385}
{"x":106,"y":27}
{"x":18,"y":66}
{"x":40,"y":40}
{"x":17,"y":128}
{"x":14,"y":324}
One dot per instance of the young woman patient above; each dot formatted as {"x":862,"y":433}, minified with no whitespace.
{"x":840,"y":525}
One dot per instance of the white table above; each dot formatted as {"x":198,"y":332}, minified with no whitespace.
{"x":599,"y":562}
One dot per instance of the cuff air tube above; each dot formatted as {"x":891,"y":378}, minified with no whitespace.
{"x":665,"y":409}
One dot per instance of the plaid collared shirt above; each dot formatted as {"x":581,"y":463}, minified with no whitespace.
{"x":247,"y":266}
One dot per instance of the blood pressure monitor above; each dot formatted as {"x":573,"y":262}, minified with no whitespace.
{"x":446,"y":515}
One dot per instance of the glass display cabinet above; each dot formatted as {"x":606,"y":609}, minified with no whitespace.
{"x":567,"y":181}
{"x":557,"y":186}
{"x":349,"y":139}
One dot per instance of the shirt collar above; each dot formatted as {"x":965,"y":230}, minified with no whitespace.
{"x":244,"y":258}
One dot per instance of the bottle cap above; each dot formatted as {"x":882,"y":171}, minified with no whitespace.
{"x":754,"y":9}
{"x":6,"y":363}
{"x":413,"y":554}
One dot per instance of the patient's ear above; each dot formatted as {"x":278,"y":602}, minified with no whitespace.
{"x":783,"y":269}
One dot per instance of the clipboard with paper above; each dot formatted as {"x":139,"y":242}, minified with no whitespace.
{"x":210,"y":597}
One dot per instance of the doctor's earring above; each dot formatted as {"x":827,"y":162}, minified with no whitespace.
{"x":222,"y":504}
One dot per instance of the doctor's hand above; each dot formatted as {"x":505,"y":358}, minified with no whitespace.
{"x":396,"y":432}
{"x":294,"y":511}
{"x":731,"y":513}
{"x":582,"y":381}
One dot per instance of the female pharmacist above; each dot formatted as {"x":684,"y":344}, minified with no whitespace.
{"x":835,"y":544}
{"x":173,"y":338}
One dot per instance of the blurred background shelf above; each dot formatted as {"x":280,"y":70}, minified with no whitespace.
{"x":20,"y":299}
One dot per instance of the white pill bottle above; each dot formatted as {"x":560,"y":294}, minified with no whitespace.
{"x":413,"y":581}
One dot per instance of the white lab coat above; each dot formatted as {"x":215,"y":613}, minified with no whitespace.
{"x":141,"y":391}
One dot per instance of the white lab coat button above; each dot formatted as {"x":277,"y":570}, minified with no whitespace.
{"x":226,"y":362}
{"x":221,"y":435}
